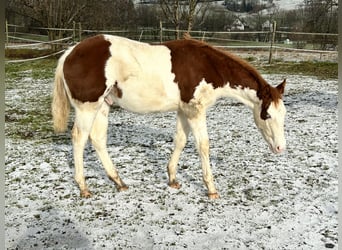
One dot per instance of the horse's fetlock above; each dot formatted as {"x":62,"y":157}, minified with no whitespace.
{"x":175,"y":184}
{"x":213,"y":196}
{"x":86,"y":193}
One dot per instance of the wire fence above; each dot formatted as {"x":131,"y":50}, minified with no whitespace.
{"x":272,"y":41}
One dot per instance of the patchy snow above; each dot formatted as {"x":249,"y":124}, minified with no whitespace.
{"x":289,"y":4}
{"x":267,"y":201}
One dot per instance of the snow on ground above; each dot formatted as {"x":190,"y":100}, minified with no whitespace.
{"x":267,"y":201}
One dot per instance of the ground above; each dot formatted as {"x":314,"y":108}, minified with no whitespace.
{"x":267,"y":201}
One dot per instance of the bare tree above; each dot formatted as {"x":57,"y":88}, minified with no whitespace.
{"x":197,"y":9}
{"x":171,"y":10}
{"x":320,"y":16}
{"x":184,"y":13}
{"x":53,"y":14}
{"x":108,"y":14}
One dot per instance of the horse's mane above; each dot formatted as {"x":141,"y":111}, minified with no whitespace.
{"x":230,"y":56}
{"x":265,"y":91}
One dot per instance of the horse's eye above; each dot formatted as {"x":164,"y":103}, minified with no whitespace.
{"x":264,"y":115}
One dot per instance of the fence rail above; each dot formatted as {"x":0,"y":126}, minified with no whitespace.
{"x":18,"y":37}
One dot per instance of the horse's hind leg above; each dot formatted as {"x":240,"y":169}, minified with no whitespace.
{"x":98,"y":137}
{"x":80,"y":134}
{"x":181,"y":135}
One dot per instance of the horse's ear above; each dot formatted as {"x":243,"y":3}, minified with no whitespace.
{"x":281,"y":87}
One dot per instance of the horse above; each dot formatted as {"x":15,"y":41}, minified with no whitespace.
{"x":185,"y":76}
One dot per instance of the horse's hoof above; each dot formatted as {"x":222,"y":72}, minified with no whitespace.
{"x":86,"y":194}
{"x":122,"y":188}
{"x":175,"y":184}
{"x":213,"y":196}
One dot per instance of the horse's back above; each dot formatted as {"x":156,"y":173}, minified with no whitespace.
{"x":141,"y":73}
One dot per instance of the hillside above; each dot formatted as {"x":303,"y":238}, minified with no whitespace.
{"x":281,"y":4}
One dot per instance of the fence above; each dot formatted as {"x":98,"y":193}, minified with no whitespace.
{"x":270,"y":42}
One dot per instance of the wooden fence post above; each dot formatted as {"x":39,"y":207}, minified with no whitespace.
{"x":272,"y":41}
{"x":203,"y":36}
{"x":6,"y":33}
{"x":161,"y":31}
{"x":73,"y":31}
{"x":79,"y":32}
{"x":141,"y":34}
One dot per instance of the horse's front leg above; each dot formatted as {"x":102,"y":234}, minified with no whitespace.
{"x":199,"y":130}
{"x":181,"y":135}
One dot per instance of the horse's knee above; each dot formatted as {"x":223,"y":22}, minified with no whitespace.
{"x":79,"y":137}
{"x":99,"y":143}
{"x":203,"y":147}
{"x":180,"y":140}
{"x":74,"y":133}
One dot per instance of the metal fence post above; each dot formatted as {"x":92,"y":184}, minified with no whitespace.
{"x":272,"y":41}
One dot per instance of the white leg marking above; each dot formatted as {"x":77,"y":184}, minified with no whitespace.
{"x":98,"y":137}
{"x":181,"y":135}
{"x":80,"y":134}
{"x":199,"y":130}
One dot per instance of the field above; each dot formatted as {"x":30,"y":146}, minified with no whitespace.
{"x":267,"y":201}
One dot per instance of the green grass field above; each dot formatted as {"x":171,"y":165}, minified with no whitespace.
{"x":43,"y":69}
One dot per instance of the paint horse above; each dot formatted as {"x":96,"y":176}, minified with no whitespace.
{"x":186,"y":76}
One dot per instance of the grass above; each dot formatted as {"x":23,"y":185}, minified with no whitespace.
{"x":31,"y":118}
{"x":322,"y":70}
{"x":40,"y":69}
{"x":44,"y":69}
{"x":26,"y":53}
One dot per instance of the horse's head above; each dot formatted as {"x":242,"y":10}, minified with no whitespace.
{"x":269,"y":117}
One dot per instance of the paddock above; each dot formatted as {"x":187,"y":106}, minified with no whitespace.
{"x":268,"y":201}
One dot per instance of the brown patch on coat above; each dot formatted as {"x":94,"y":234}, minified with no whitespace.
{"x":193,"y":61}
{"x":116,"y":90}
{"x":84,"y":69}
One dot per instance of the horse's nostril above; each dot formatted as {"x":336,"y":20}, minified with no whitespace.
{"x":279,"y":149}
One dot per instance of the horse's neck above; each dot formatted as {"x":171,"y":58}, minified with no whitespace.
{"x":245,"y":95}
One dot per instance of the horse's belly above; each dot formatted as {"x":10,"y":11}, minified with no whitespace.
{"x":147,"y":97}
{"x":142,"y":105}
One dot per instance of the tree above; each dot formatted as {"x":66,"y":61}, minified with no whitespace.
{"x":175,"y":11}
{"x":197,"y":10}
{"x":109,"y":14}
{"x":148,"y":15}
{"x":218,"y":19}
{"x":52,"y":14}
{"x":320,"y":16}
{"x":61,"y":14}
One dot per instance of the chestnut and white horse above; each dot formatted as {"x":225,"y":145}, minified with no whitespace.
{"x":186,"y":76}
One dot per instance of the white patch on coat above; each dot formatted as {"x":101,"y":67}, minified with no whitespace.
{"x":205,"y":96}
{"x":245,"y":95}
{"x":272,"y":129}
{"x":143,"y":74}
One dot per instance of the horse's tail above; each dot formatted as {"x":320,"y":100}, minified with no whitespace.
{"x":60,"y":107}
